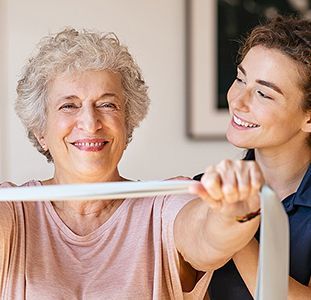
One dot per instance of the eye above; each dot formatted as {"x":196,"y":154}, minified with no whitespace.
{"x":263,"y":95}
{"x":108,"y":106}
{"x":68,"y":106}
{"x":239,"y":80}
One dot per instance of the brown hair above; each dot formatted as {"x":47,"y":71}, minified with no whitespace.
{"x":291,"y":36}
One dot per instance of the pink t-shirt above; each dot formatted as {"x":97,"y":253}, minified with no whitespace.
{"x":130,"y":256}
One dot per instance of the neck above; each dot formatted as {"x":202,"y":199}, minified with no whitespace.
{"x":62,"y":177}
{"x":283,"y":170}
{"x":84,"y":208}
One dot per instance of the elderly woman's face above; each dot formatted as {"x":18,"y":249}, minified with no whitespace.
{"x":86,"y":131}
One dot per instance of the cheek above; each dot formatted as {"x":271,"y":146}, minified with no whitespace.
{"x":123,"y":127}
{"x":58,"y":128}
{"x":270,"y":118}
{"x":117,"y":127}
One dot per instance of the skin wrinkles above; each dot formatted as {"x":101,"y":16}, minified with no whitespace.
{"x":86,"y":106}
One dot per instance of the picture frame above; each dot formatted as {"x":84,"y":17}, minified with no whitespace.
{"x":204,"y":119}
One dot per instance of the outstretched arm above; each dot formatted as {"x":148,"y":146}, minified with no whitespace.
{"x":206,"y":232}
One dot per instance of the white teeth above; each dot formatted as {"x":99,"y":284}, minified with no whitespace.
{"x":242,"y":123}
{"x":90,"y":144}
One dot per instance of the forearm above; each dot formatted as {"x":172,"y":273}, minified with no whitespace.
{"x":246,"y":262}
{"x":207,"y":239}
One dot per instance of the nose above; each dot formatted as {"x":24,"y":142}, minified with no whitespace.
{"x":89,"y":120}
{"x":238,"y":98}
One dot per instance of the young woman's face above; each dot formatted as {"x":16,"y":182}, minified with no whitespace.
{"x":265,"y":102}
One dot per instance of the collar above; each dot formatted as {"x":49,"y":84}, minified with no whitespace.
{"x":303,"y":195}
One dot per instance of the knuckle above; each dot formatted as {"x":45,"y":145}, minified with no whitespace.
{"x":257,"y":185}
{"x":210,"y":184}
{"x":229,"y":189}
{"x":240,"y":164}
{"x":225,"y":163}
{"x":258,"y":178}
{"x":209,"y":169}
{"x":244,"y":189}
{"x":254,"y":165}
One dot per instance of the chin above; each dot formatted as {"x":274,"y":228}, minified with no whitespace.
{"x":236,"y":141}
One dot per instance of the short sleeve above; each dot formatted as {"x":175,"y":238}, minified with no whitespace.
{"x":7,"y":221}
{"x":171,"y":207}
{"x":6,"y":215}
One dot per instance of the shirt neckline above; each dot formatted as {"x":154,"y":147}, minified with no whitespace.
{"x":94,"y":234}
{"x":302,"y":197}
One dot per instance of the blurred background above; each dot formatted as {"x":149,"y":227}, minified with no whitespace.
{"x":155,"y":32}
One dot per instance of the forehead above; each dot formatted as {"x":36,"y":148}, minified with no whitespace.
{"x":272,"y":65}
{"x":86,"y":83}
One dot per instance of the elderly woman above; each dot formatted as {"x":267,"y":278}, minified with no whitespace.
{"x":80,"y":98}
{"x":270,"y":108}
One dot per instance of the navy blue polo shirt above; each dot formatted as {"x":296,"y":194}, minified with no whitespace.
{"x":227,"y":284}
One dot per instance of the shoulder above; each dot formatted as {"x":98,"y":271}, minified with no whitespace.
{"x":173,"y":204}
{"x":7,"y":207}
{"x":163,"y":203}
{"x":8,"y":184}
{"x":165,"y":207}
{"x":10,"y":211}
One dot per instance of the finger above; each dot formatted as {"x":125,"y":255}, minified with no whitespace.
{"x":242,"y":175}
{"x":212,"y":183}
{"x":198,"y":189}
{"x":256,"y":177}
{"x":257,"y":180}
{"x":250,"y":180}
{"x":229,"y":181}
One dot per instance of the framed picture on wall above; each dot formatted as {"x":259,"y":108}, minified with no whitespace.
{"x":214,"y":30}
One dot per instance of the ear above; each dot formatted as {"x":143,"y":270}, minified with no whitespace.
{"x":307,"y":124}
{"x":40,"y":138}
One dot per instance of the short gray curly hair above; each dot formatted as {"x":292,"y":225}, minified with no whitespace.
{"x":71,"y":50}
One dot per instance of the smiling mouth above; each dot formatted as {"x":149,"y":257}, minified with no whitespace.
{"x":244,"y":124}
{"x":90,"y":146}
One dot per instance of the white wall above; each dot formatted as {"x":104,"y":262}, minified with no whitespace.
{"x":3,"y":86}
{"x":154,"y":30}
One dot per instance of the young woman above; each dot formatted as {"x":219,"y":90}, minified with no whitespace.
{"x":270,"y":108}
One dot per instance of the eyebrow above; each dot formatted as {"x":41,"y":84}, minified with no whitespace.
{"x":268,"y":84}
{"x":105,"y":95}
{"x":242,"y":69}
